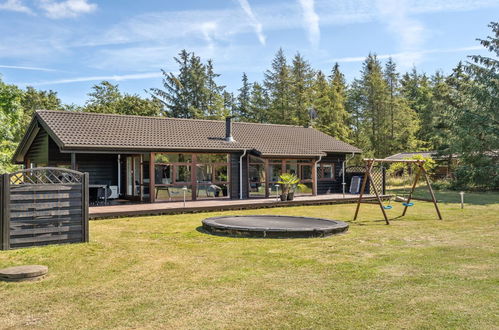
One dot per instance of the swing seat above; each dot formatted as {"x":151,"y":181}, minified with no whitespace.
{"x":408,"y":204}
{"x":387,"y":207}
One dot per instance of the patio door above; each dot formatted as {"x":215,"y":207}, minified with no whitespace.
{"x":134,"y":177}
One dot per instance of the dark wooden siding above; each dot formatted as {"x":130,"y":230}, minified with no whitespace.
{"x":234,"y":176}
{"x":38,"y":151}
{"x":102,"y":168}
{"x":332,"y":186}
{"x":56,"y":157}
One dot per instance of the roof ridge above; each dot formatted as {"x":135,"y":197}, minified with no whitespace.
{"x":162,"y":118}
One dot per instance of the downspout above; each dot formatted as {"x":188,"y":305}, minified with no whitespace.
{"x":343,"y":172}
{"x":241,"y":174}
{"x":119,"y":175}
{"x":316,"y":175}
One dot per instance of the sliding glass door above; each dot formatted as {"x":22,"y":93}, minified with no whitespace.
{"x":134,"y":177}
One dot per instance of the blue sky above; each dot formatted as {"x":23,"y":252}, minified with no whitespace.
{"x":70,"y":45}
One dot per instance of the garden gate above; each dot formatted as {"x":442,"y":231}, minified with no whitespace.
{"x":41,"y":206}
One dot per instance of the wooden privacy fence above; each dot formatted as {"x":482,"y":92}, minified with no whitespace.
{"x":41,"y":206}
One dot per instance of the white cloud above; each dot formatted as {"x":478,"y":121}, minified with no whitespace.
{"x":404,"y":55}
{"x":409,"y":32}
{"x":146,"y":41}
{"x":311,"y":21}
{"x":257,"y":26}
{"x":66,"y":9}
{"x":134,"y":76}
{"x":31,"y":68}
{"x":15,"y":5}
{"x":208,"y":29}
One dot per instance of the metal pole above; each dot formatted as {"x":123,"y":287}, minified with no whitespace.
{"x":119,"y":175}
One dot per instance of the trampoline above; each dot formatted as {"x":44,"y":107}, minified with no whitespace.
{"x":273,"y":226}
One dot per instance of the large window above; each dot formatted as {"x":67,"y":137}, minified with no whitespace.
{"x":256,"y":177}
{"x":325,"y":171}
{"x":275,"y":167}
{"x":197,"y":175}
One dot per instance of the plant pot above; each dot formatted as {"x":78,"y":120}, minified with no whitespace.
{"x":291,"y":196}
{"x":284,"y":197}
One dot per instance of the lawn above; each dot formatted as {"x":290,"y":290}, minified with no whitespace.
{"x":151,"y":272}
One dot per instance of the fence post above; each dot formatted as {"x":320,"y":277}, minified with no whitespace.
{"x":384,"y":180}
{"x":5,"y":212}
{"x":84,"y":205}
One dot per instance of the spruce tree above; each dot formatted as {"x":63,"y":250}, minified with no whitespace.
{"x":278,"y":84}
{"x":416,"y":88}
{"x":242,"y":109}
{"x":186,"y":94}
{"x":330,"y":98}
{"x":403,"y":122}
{"x":339,"y":124}
{"x":302,"y":78}
{"x":475,"y":133}
{"x":374,"y":106}
{"x":259,"y":109}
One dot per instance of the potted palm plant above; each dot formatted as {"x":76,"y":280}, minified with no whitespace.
{"x":289,"y":183}
{"x":293,"y":188}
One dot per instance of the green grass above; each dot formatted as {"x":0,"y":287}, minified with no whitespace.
{"x":161,"y":272}
{"x":449,"y":196}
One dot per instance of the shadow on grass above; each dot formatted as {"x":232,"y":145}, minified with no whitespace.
{"x":376,"y":222}
{"x":450,"y":196}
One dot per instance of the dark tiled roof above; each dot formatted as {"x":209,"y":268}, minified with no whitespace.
{"x":76,"y":130}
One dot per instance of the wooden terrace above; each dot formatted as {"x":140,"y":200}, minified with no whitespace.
{"x":144,"y":209}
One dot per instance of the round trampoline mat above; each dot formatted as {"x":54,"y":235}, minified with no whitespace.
{"x":273,"y":226}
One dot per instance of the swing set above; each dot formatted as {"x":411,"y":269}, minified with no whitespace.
{"x":369,"y":164}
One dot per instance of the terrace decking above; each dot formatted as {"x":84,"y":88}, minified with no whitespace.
{"x":127,"y":210}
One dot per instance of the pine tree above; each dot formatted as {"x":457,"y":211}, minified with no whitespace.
{"x":242,"y":110}
{"x":229,"y":104}
{"x":214,"y":107}
{"x":184,"y":94}
{"x":403,"y":122}
{"x":259,"y":105}
{"x":302,"y":78}
{"x":475,"y":133}
{"x":278,"y":84}
{"x":374,"y":107}
{"x":197,"y":89}
{"x":338,"y":99}
{"x":354,"y":106}
{"x":330,"y":98}
{"x":417,"y":89}
{"x":392,"y":79}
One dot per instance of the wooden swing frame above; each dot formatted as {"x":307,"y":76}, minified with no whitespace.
{"x":369,"y":164}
